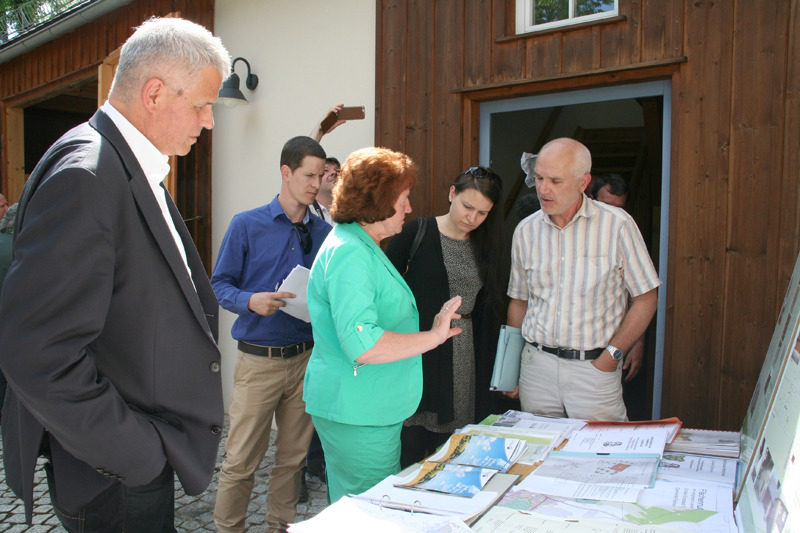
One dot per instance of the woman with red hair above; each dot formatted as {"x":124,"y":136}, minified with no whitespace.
{"x":365,"y":373}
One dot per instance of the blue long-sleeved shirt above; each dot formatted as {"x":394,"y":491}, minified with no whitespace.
{"x":259,"y":250}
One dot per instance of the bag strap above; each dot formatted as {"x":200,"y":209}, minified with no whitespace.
{"x":415,"y":244}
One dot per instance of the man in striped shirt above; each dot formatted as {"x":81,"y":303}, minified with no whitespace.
{"x":575,"y":264}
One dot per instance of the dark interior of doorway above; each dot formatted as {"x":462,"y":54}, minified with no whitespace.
{"x":49,"y":117}
{"x":47,"y":120}
{"x":624,"y":137}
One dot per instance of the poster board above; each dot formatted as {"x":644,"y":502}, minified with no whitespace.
{"x":768,"y":485}
{"x":779,"y":352}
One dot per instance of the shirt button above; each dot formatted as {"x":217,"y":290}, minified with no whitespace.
{"x":214,"y":367}
{"x":216,"y":430}
{"x":359,"y":328}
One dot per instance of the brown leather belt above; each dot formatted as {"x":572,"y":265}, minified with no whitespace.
{"x":282,"y":352}
{"x":566,"y":353}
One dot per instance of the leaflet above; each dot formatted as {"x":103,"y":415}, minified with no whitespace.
{"x":539,"y":443}
{"x":450,"y":479}
{"x":633,"y":471}
{"x":610,"y":439}
{"x":680,"y":466}
{"x":296,"y":283}
{"x":476,"y":450}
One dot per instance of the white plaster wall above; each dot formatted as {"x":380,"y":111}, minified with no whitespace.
{"x":309,"y":55}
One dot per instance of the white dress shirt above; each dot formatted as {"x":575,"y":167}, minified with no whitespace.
{"x":155,"y":166}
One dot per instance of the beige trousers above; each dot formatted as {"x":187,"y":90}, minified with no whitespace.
{"x":263,"y":387}
{"x":566,"y":387}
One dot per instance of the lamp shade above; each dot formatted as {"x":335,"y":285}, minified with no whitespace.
{"x":229,"y":94}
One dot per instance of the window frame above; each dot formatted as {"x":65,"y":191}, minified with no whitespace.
{"x":524,"y":14}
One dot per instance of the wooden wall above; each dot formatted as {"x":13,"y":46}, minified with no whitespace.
{"x":735,"y":164}
{"x":74,"y":57}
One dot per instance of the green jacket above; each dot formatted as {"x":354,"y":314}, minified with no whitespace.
{"x":354,"y":295}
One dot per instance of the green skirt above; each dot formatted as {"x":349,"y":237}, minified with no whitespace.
{"x":357,"y":457}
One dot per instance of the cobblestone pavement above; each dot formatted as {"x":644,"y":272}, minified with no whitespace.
{"x":192,"y":513}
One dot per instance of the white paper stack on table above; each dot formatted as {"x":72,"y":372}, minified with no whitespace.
{"x":387,"y":494}
{"x":522,"y":420}
{"x":539,"y":442}
{"x":706,"y":442}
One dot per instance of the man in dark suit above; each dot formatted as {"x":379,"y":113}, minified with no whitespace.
{"x":108,"y":323}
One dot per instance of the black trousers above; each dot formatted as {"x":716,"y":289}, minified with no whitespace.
{"x":148,"y":508}
{"x":417,"y":443}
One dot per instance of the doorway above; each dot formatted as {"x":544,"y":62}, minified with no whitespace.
{"x":627,"y":129}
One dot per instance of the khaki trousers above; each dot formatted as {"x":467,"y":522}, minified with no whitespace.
{"x":263,"y":387}
{"x":552,"y":386}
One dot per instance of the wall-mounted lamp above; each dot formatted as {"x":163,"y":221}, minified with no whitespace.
{"x":229,"y":94}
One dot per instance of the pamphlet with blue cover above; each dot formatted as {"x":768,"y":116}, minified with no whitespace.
{"x":477,"y":450}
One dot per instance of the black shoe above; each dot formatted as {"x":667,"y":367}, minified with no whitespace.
{"x":303,"y":491}
{"x":316,"y":469}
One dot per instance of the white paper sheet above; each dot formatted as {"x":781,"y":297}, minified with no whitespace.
{"x":573,"y":489}
{"x":606,"y":440}
{"x":503,"y":520}
{"x":356,"y":516}
{"x":429,"y":502}
{"x":683,"y":506}
{"x":296,"y":283}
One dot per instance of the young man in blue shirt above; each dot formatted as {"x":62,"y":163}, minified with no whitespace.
{"x":260,"y":249}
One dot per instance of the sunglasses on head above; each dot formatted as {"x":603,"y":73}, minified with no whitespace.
{"x":483,"y":173}
{"x":304,"y":235}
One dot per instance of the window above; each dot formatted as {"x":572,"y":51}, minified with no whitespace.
{"x":535,"y":15}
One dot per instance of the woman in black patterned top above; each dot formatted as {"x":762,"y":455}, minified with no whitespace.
{"x":458,"y":254}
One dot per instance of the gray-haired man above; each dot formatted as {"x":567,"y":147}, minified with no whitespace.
{"x":107,"y":318}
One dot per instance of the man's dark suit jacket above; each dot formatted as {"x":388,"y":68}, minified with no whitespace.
{"x":107,"y":343}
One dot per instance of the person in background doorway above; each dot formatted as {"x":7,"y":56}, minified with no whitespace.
{"x":610,"y":189}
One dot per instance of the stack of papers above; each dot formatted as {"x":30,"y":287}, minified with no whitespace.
{"x":706,"y":442}
{"x":670,"y":425}
{"x":668,"y":507}
{"x":539,"y":442}
{"x":522,"y":420}
{"x":357,"y":516}
{"x":387,"y":495}
{"x":477,"y":450}
{"x":621,"y":440}
{"x":450,"y":479}
{"x":685,"y":467}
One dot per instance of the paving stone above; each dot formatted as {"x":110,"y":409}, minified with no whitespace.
{"x":193,"y":514}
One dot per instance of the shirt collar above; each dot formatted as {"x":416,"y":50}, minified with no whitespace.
{"x":276,"y":209}
{"x":154,"y":164}
{"x":586,"y":210}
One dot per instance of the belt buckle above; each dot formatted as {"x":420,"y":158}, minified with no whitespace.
{"x":290,"y":351}
{"x":566,"y":353}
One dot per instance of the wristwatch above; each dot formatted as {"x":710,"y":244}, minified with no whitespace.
{"x":615,"y":352}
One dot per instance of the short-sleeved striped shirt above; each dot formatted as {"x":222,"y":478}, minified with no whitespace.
{"x":577,"y":280}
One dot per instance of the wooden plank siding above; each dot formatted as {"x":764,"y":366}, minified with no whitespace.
{"x":735,"y":190}
{"x":44,"y":71}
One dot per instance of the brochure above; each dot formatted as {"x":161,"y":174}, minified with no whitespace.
{"x":539,"y":442}
{"x":476,"y":450}
{"x":448,"y":478}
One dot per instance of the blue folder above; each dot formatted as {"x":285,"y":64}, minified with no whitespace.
{"x":510,"y":343}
